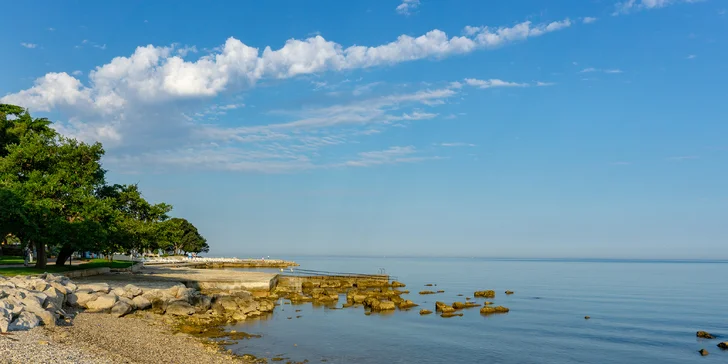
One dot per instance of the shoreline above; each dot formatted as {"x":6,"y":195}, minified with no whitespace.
{"x":141,"y":337}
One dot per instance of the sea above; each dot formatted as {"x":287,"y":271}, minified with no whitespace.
{"x":641,"y":311}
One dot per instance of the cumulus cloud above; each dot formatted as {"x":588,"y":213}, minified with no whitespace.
{"x":407,"y":6}
{"x":628,"y":6}
{"x":155,"y":100}
{"x":588,"y":20}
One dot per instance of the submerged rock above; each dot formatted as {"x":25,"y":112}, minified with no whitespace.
{"x":427,"y":292}
{"x":587,"y":317}
{"x":425,"y":312}
{"x":485,"y":294}
{"x":703,"y":352}
{"x":428,"y":285}
{"x":704,"y":335}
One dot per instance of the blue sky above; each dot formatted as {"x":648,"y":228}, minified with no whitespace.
{"x":524,"y":128}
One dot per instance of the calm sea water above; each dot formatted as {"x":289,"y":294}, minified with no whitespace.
{"x":641,"y":312}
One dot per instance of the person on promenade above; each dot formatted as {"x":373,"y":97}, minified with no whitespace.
{"x":26,"y":252}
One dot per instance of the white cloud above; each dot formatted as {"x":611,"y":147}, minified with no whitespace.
{"x":588,"y":70}
{"x":692,"y":56}
{"x":392,"y":155}
{"x":683,"y":158}
{"x":545,"y":84}
{"x":29,"y":45}
{"x":492,"y":83}
{"x":51,"y":29}
{"x":407,"y":6}
{"x":628,"y":6}
{"x":155,"y":104}
{"x":154,"y":74}
{"x":588,"y":20}
{"x":615,"y":70}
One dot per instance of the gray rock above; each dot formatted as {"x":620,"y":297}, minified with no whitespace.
{"x":95,"y":287}
{"x":5,"y":318}
{"x":25,"y":321}
{"x":141,"y":303}
{"x":102,"y":302}
{"x":82,"y":298}
{"x":121,"y":308}
{"x":55,"y":296}
{"x":133,"y":290}
{"x":180,"y":308}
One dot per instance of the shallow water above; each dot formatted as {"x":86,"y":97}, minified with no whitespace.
{"x":641,"y":312}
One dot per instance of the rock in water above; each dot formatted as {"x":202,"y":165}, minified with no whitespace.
{"x":723,"y":345}
{"x":398,"y":284}
{"x":386,"y":305}
{"x":485,"y":294}
{"x":487,"y":310}
{"x":425,"y":312}
{"x":587,"y":317}
{"x":451,"y":314}
{"x":509,"y":292}
{"x":704,"y":335}
{"x":427,"y":292}
{"x":703,"y":352}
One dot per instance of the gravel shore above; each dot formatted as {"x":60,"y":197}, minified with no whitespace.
{"x":101,"y":338}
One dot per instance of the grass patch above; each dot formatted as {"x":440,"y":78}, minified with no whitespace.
{"x":11,"y":259}
{"x":52,"y":268}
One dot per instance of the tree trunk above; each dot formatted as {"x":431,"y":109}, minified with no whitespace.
{"x":64,"y":254}
{"x":40,"y":256}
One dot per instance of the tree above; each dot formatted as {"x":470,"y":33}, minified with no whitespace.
{"x":54,"y":193}
{"x":181,"y":236}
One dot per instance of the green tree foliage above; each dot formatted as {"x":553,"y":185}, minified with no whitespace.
{"x":181,"y":236}
{"x":54,"y":194}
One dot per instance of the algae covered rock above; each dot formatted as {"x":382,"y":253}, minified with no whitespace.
{"x":704,"y":335}
{"x":451,"y":314}
{"x":398,"y":284}
{"x":425,"y":312}
{"x":485,"y":294}
{"x":427,"y":292}
{"x":487,"y":310}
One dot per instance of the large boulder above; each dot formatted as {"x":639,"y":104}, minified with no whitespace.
{"x":141,"y":303}
{"x":121,"y":308}
{"x":25,"y":321}
{"x":55,"y":296}
{"x":102,"y":303}
{"x":179,"y":308}
{"x":95,"y":287}
{"x":132,"y":290}
{"x":5,"y":318}
{"x":82,"y":298}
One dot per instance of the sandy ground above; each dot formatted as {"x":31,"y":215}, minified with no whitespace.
{"x":101,"y":338}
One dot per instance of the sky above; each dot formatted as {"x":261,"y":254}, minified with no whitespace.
{"x":521,"y":128}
